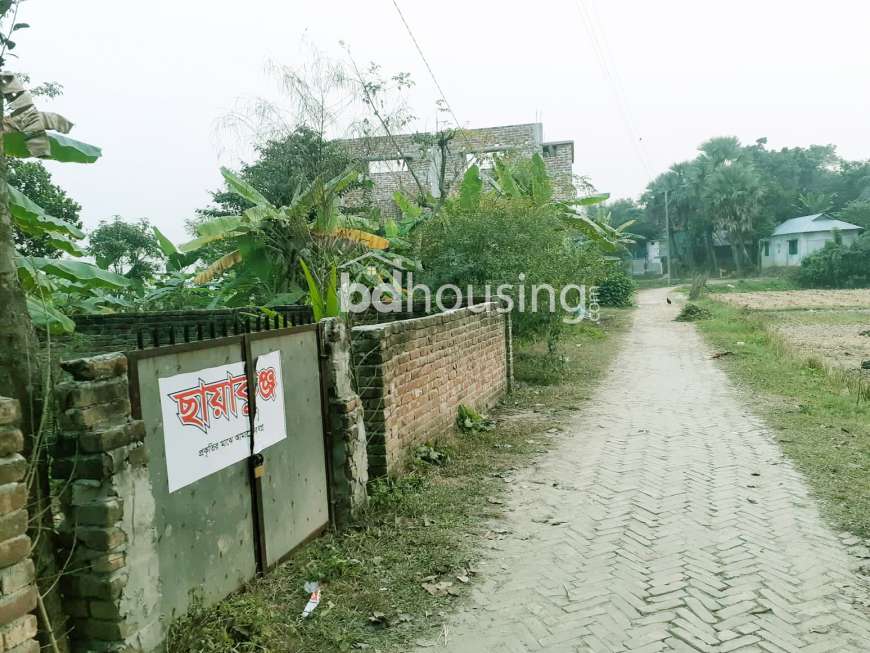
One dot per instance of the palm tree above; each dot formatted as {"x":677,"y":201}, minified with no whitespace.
{"x":732,"y":195}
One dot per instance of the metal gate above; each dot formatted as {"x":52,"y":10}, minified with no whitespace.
{"x":218,"y":532}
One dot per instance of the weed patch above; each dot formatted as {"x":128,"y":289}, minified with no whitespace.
{"x":693,"y":313}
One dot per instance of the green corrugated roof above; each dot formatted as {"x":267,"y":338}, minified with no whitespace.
{"x":811,"y":223}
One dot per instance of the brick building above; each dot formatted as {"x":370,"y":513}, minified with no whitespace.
{"x":393,"y":168}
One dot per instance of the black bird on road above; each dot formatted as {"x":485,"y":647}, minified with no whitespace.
{"x":669,"y":300}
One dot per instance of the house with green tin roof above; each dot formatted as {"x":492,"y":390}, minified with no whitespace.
{"x":796,"y":238}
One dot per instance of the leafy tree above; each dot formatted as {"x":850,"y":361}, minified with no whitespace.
{"x":283,"y":167}
{"x":678,"y":192}
{"x":32,"y":179}
{"x":493,"y":235}
{"x":128,"y":248}
{"x":814,"y":203}
{"x":789,"y":173}
{"x":746,"y":190}
{"x":499,"y":239}
{"x":856,"y":212}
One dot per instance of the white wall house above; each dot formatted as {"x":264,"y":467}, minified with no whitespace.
{"x":648,"y":259}
{"x":796,"y":238}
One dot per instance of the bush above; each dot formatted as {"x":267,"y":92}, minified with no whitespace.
{"x":617,"y":288}
{"x":838,"y":266}
{"x":693,"y":313}
{"x":496,"y":243}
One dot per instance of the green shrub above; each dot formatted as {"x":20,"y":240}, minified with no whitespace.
{"x":617,"y":288}
{"x":838,"y":266}
{"x":693,"y":313}
{"x":500,"y":240}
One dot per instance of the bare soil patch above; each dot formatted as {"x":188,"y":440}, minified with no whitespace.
{"x":798,"y":299}
{"x":840,"y":345}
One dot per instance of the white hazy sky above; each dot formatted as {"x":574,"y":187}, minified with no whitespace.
{"x":147,"y":81}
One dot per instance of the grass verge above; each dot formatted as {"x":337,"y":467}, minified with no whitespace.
{"x":758,"y":284}
{"x":424,"y":527}
{"x":749,"y":284}
{"x":821,"y":418}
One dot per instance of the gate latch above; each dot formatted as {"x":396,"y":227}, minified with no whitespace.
{"x":258,"y":465}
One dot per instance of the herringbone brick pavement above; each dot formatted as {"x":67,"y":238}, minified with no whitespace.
{"x":666,"y":520}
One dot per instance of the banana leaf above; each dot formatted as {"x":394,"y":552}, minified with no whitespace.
{"x":542,"y":189}
{"x":48,"y":317}
{"x":333,"y":305}
{"x":216,"y":229}
{"x":505,"y":177}
{"x":32,"y":220}
{"x":60,"y":148}
{"x":176,"y":259}
{"x":589,"y":200}
{"x":314,"y":297}
{"x":407,"y":206}
{"x":371,"y":241}
{"x":470,"y":188}
{"x":217,"y":268}
{"x":86,"y":274}
{"x":243,"y":189}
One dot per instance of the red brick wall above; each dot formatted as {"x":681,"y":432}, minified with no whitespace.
{"x":413,"y":374}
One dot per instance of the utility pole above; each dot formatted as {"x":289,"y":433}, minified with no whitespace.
{"x":668,"y":234}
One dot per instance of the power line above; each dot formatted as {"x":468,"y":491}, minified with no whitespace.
{"x":434,"y":78}
{"x":601,"y":53}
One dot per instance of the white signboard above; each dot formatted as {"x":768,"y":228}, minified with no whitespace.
{"x":271,"y":425}
{"x":205,"y":417}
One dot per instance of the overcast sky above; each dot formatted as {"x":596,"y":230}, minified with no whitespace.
{"x":148,"y":81}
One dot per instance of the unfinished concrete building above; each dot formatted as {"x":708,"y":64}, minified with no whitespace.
{"x":394,"y":163}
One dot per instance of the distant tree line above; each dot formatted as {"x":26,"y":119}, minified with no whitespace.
{"x":737,"y":194}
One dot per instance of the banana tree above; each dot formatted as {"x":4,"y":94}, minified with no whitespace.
{"x":532,"y":181}
{"x":27,"y":132}
{"x":53,"y":287}
{"x":528,"y":180}
{"x":267,"y":242}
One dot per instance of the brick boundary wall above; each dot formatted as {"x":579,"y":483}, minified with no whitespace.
{"x":413,"y":374}
{"x":111,"y":589}
{"x":18,"y":593}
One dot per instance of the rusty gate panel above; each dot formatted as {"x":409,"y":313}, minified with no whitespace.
{"x":205,"y":540}
{"x":215,"y":534}
{"x":294,"y":483}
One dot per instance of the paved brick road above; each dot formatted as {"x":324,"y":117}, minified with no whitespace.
{"x":667,"y":520}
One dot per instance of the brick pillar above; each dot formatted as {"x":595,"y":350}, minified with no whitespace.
{"x":111,"y":590}
{"x":369,"y":368}
{"x":18,"y":591}
{"x":349,"y":455}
